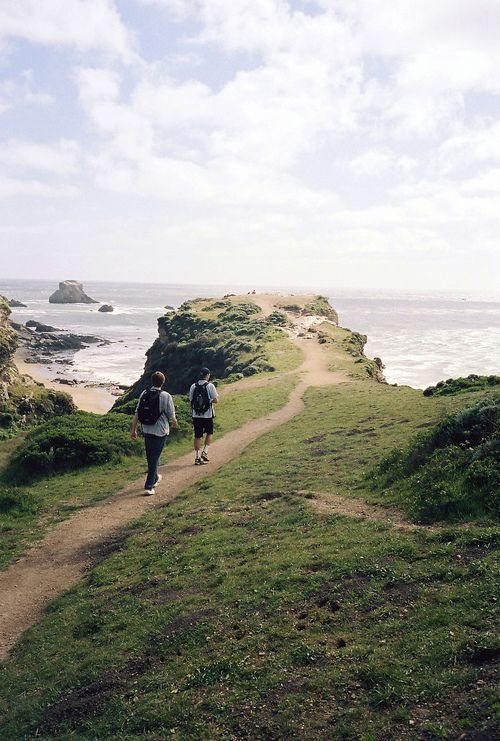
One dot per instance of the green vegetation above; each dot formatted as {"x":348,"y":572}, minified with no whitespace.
{"x":320,"y":306}
{"x":28,"y":405}
{"x":310,"y":306}
{"x":28,"y":507}
{"x":21,"y":404}
{"x":458,"y":385}
{"x":73,"y":442}
{"x":230,"y":337}
{"x":451,"y":471}
{"x":243,"y":611}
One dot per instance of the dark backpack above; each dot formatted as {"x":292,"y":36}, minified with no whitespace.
{"x":200,"y":403}
{"x":149,"y":407}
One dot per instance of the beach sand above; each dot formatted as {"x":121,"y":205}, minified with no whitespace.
{"x":87,"y":398}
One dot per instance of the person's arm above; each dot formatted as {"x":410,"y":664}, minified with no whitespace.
{"x":213,"y":394}
{"x":133,"y":427}
{"x":172,"y":419}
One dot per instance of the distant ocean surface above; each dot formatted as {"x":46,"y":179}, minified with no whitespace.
{"x":422,"y":337}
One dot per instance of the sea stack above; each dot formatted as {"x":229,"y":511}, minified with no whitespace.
{"x":71,"y":292}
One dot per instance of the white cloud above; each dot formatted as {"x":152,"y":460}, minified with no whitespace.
{"x":61,"y":158}
{"x":12,"y":187}
{"x":476,"y":145}
{"x":20,"y":92}
{"x":85,"y":24}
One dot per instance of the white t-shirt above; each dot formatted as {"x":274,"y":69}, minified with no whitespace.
{"x":212,"y":394}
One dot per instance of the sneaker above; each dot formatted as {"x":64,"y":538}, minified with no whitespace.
{"x":148,"y":492}
{"x":204,"y":457}
{"x":199,"y":462}
{"x":158,"y":478}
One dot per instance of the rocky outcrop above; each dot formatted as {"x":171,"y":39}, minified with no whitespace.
{"x":71,"y":292}
{"x":8,"y":345}
{"x":39,"y":327}
{"x":14,"y":304}
{"x":106,"y":308}
{"x":22,"y":401}
{"x":52,"y":345}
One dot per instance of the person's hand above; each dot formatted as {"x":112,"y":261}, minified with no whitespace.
{"x":133,"y":434}
{"x":174,"y":423}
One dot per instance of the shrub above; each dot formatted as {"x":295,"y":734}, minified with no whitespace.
{"x":71,"y":442}
{"x":278,"y":318}
{"x":473,"y":382}
{"x":450,"y":472}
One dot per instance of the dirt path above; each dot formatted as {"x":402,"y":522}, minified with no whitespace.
{"x":64,"y":556}
{"x":333,"y":504}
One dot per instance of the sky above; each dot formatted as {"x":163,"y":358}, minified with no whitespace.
{"x":269,"y":142}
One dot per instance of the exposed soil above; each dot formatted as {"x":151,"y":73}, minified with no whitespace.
{"x":73,"y":546}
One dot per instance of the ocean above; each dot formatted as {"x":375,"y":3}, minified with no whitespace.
{"x":422,"y":337}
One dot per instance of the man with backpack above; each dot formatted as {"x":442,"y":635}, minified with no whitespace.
{"x":154,"y":411}
{"x":203,"y":395}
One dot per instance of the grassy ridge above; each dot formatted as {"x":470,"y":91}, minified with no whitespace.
{"x":240,"y":612}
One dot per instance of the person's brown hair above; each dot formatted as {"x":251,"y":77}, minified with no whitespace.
{"x":158,"y":379}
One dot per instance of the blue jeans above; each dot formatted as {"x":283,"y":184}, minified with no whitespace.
{"x":154,"y":446}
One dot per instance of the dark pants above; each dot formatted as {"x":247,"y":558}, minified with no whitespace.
{"x":154,"y":446}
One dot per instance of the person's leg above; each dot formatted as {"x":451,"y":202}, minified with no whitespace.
{"x":154,"y":446}
{"x":198,"y":435}
{"x":209,"y":429}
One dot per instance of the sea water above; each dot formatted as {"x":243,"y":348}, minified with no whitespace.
{"x":422,"y":337}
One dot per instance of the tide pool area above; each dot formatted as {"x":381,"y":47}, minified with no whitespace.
{"x":422,"y":337}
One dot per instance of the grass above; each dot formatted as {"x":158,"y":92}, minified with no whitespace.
{"x":27,"y":510}
{"x":240,"y":612}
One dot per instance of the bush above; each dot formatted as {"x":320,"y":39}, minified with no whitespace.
{"x":72,"y":442}
{"x":460,"y":385}
{"x":450,"y":472}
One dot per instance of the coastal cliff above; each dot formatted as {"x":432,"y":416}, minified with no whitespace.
{"x":226,"y":336}
{"x":22,"y":401}
{"x":8,"y":346}
{"x":231,"y":336}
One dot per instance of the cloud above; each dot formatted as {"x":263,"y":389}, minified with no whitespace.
{"x":84,"y":24}
{"x":20,"y":92}
{"x":11,"y":187}
{"x":61,"y":158}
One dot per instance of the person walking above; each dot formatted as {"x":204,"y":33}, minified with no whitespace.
{"x":203,"y":395}
{"x":155,"y":411}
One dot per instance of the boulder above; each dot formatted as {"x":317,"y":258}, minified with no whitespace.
{"x":15,"y":304}
{"x":39,"y":327}
{"x":106,"y":308}
{"x":71,"y":292}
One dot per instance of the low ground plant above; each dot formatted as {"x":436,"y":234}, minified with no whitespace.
{"x":451,"y":471}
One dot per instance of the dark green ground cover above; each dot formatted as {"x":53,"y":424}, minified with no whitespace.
{"x":450,"y":472}
{"x":239,"y":612}
{"x":460,"y":385}
{"x":230,"y":338}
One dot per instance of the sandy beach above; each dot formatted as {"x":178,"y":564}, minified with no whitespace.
{"x":87,"y":398}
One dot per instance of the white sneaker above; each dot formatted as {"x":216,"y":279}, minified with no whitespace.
{"x":158,"y":479}
{"x":148,"y":492}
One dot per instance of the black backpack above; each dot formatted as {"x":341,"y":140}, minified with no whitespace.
{"x":200,"y":403}
{"x":149,"y":407}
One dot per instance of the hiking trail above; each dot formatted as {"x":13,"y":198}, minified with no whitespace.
{"x":66,"y":553}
